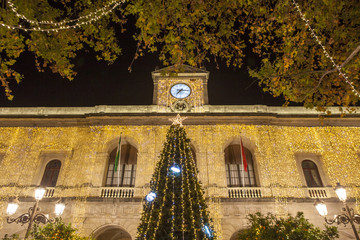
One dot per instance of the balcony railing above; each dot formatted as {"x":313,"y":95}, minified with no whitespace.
{"x":245,"y":192}
{"x":117,"y":192}
{"x":49,"y":192}
{"x":229,"y":192}
{"x":318,"y":193}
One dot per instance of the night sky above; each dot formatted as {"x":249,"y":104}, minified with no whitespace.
{"x":98,"y":83}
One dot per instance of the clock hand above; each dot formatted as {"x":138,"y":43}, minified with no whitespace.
{"x":179,"y":91}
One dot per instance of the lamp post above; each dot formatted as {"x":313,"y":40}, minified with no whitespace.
{"x":348,"y":216}
{"x":33,"y":215}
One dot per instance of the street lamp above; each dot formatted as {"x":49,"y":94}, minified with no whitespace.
{"x":33,"y":215}
{"x":348,"y":216}
{"x":59,"y":208}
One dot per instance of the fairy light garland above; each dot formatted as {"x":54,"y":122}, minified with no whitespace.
{"x":215,"y":210}
{"x":191,"y":203}
{"x":163,"y":195}
{"x":326,"y":53}
{"x":273,"y":149}
{"x":149,"y":214}
{"x":182,"y":201}
{"x":184,"y":218}
{"x":193,"y":168}
{"x":78,"y":214}
{"x":187,"y":181}
{"x":172,"y":209}
{"x":14,"y":9}
{"x":201,"y":210}
{"x":63,"y":25}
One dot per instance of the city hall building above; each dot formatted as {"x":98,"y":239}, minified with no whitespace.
{"x":294,"y":157}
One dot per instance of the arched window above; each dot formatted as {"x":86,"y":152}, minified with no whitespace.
{"x":311,"y":174}
{"x":51,"y":173}
{"x":235,"y":174}
{"x":125,"y":174}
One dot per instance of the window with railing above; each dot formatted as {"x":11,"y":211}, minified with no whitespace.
{"x":235,"y":173}
{"x":311,"y":174}
{"x":51,"y":173}
{"x":124,"y":176}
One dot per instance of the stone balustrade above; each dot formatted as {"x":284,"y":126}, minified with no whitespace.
{"x":49,"y":192}
{"x":117,"y":192}
{"x":319,"y":192}
{"x":222,"y":192}
{"x":245,"y":192}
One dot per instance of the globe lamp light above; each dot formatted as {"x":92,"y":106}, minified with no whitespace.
{"x":151,"y":197}
{"x":175,"y":168}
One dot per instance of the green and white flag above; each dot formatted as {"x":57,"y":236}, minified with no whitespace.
{"x":118,"y":155}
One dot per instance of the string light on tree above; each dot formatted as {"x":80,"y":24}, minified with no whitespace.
{"x":326,"y":53}
{"x":208,"y":231}
{"x":151,"y":197}
{"x":179,"y":211}
{"x":51,"y":26}
{"x":175,"y":169}
{"x":90,"y":15}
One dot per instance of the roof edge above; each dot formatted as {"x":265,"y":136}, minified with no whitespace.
{"x":155,"y":109}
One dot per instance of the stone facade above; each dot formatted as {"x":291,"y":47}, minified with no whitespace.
{"x":83,"y":138}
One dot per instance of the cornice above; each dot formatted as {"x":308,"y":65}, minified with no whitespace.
{"x":156,"y":115}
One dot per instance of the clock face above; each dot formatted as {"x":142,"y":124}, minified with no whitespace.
{"x":180,"y":90}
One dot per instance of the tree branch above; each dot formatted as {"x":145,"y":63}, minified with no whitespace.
{"x":357,"y":49}
{"x":341,"y":66}
{"x":351,"y":56}
{"x":296,"y":74}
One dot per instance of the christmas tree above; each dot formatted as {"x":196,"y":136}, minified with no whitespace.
{"x":175,"y":208}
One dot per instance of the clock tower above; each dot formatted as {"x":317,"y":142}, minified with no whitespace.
{"x":181,"y":89}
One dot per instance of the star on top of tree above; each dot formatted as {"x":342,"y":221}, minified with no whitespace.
{"x":177,"y":120}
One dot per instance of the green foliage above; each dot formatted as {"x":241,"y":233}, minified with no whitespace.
{"x":293,"y":65}
{"x":179,"y":210}
{"x":12,"y":237}
{"x":270,"y":227}
{"x":189,"y":31}
{"x":55,"y":50}
{"x":58,"y":230}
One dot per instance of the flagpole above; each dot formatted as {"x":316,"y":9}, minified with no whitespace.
{"x":242,"y":164}
{"x":119,"y":162}
{"x":118,"y":181}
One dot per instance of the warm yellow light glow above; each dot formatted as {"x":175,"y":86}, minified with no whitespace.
{"x":340,"y":192}
{"x":321,"y":208}
{"x":12,"y":207}
{"x":273,"y":147}
{"x":59,"y":208}
{"x":39,"y":193}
